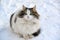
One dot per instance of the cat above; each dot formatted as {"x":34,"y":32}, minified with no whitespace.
{"x":26,"y":22}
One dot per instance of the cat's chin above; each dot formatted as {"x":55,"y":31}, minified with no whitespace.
{"x":28,"y":19}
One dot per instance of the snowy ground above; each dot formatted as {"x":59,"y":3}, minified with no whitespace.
{"x":49,"y":18}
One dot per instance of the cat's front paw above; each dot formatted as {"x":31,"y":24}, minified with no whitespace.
{"x":30,"y":36}
{"x":27,"y":37}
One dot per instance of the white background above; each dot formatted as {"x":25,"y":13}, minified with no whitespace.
{"x":49,"y":18}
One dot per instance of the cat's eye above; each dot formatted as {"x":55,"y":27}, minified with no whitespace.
{"x":31,"y":13}
{"x":23,"y":14}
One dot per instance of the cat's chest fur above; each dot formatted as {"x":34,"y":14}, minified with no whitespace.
{"x":25,"y":27}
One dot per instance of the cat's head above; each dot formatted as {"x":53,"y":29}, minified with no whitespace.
{"x":28,"y":13}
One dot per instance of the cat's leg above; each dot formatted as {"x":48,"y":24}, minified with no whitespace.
{"x":26,"y":37}
{"x":35,"y":34}
{"x":30,"y":36}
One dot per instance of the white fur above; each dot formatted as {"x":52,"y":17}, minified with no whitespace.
{"x":23,"y":26}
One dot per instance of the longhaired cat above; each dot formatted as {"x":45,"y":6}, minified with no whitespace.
{"x":26,"y":22}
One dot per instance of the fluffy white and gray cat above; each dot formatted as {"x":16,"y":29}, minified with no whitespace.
{"x":26,"y":22}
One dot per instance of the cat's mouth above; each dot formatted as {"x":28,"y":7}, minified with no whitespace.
{"x":27,"y":18}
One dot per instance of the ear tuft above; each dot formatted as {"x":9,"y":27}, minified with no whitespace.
{"x":34,"y":8}
{"x":24,"y":7}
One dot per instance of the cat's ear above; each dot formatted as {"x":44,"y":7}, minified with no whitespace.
{"x":34,"y":8}
{"x":24,"y":7}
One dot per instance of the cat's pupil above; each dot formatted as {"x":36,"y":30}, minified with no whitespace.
{"x":21,"y":15}
{"x":31,"y":13}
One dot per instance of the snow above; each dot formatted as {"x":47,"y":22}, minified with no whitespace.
{"x":49,"y":18}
